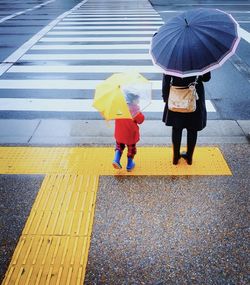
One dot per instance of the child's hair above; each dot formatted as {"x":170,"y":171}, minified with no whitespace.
{"x":130,"y":97}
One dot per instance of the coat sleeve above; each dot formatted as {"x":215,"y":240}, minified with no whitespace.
{"x":165,"y":87}
{"x":139,"y":118}
{"x":206,"y":77}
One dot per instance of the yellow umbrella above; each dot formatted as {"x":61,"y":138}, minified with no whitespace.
{"x":109,"y":98}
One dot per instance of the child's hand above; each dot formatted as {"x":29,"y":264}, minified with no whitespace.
{"x":139,"y":118}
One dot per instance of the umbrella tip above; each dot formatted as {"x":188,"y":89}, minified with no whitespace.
{"x":186,"y":22}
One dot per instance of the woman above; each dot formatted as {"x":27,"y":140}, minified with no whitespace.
{"x":193,"y":122}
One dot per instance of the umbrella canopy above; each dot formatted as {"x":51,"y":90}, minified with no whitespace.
{"x":195,"y":42}
{"x":122,"y":95}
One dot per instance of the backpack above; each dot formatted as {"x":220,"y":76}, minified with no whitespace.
{"x":182,"y":99}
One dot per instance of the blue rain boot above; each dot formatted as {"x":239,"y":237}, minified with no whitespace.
{"x":116,"y":161}
{"x":130,"y":164}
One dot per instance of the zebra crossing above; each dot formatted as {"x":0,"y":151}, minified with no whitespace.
{"x":61,"y":69}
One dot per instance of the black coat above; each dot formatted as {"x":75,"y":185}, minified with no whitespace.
{"x":196,"y":120}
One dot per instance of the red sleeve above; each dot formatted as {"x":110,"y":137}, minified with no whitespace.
{"x":139,"y":118}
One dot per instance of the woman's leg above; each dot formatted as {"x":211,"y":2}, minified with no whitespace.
{"x":191,"y":143}
{"x":176,"y":140}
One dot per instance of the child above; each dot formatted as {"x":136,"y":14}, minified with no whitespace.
{"x":127,"y":132}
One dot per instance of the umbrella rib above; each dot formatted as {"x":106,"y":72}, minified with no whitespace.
{"x":220,"y":43}
{"x":232,"y":33}
{"x":206,"y":47}
{"x":168,"y":39}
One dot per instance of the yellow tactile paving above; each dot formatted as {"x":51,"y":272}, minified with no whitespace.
{"x":53,"y":247}
{"x":49,"y":260}
{"x":97,"y":160}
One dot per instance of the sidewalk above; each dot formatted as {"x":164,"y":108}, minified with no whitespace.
{"x":161,"y":224}
{"x":98,"y":132}
{"x":173,"y":225}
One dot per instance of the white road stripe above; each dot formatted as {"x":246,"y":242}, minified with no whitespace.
{"x":10,"y":60}
{"x":116,"y":11}
{"x":115,"y":14}
{"x":91,"y":47}
{"x":60,"y":84}
{"x":125,"y":18}
{"x":110,"y":23}
{"x":122,"y":56}
{"x":66,"y":33}
{"x":25,"y":11}
{"x":181,"y":11}
{"x":82,"y":69}
{"x":69,"y":105}
{"x":96,"y":39}
{"x":101,"y":16}
{"x":213,"y":4}
{"x":136,"y":27}
{"x":245,"y":35}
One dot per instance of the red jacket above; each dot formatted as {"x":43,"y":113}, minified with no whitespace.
{"x":127,"y":130}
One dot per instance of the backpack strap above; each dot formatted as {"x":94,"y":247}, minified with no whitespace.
{"x":171,"y":81}
{"x":196,"y":80}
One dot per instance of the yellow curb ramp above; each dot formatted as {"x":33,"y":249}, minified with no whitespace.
{"x":54,"y":245}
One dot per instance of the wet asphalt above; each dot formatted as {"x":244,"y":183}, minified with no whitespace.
{"x":173,"y":230}
{"x":18,"y":193}
{"x":154,"y":230}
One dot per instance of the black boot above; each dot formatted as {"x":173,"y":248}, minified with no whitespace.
{"x":187,"y":157}
{"x":176,"y":159}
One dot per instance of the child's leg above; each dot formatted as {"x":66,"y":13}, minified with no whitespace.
{"x":118,"y":153}
{"x":130,"y":155}
{"x":131,"y":150}
{"x":120,"y":147}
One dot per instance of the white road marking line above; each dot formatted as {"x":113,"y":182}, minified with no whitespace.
{"x":116,"y":12}
{"x":70,"y":105}
{"x":82,"y":69}
{"x":91,"y":47}
{"x":66,"y":33}
{"x":244,"y":34}
{"x":60,"y":84}
{"x":86,"y":10}
{"x":106,"y":27}
{"x":101,"y":16}
{"x":25,"y":11}
{"x":113,"y":19}
{"x":213,"y":4}
{"x":110,"y":23}
{"x":181,"y":11}
{"x":122,"y":56}
{"x":96,"y":39}
{"x":10,"y":60}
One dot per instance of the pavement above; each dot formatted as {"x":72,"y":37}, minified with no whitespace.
{"x":99,"y":132}
{"x":147,"y":229}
